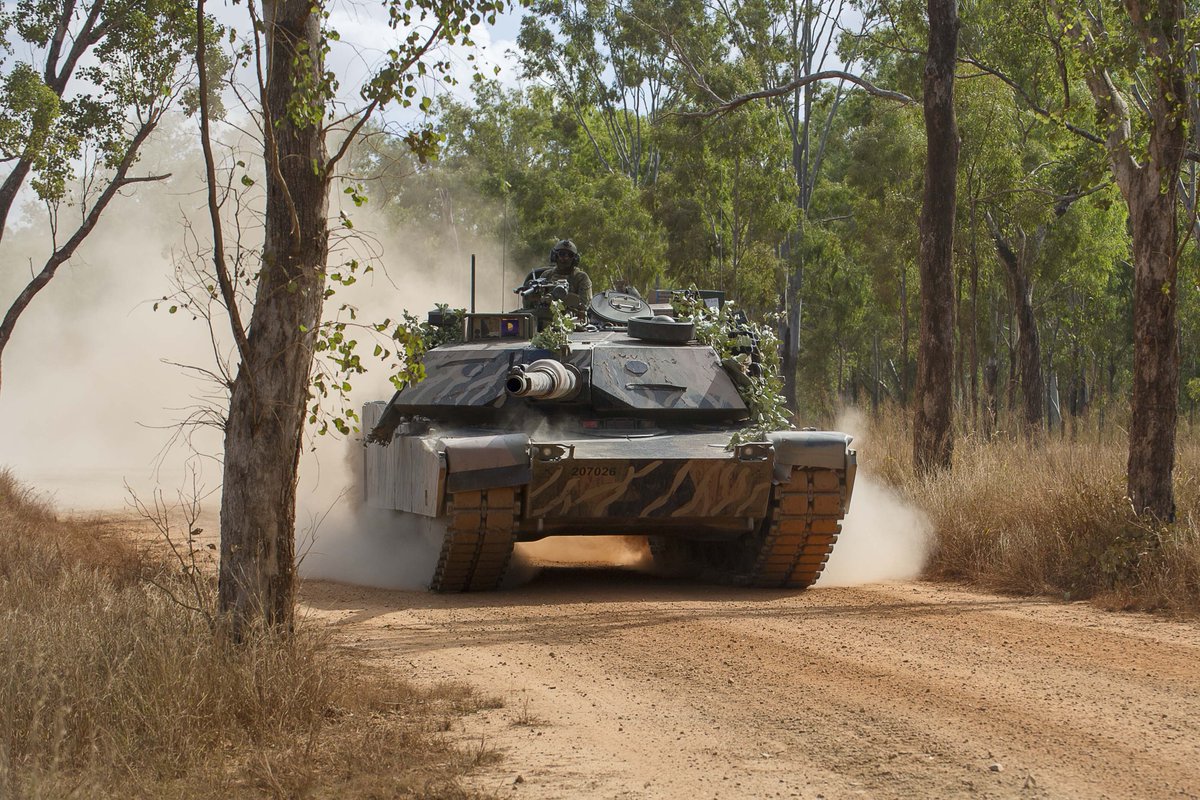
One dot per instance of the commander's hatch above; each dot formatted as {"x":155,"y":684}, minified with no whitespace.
{"x":617,"y":308}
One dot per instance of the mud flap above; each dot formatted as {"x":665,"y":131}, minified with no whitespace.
{"x":486,"y":462}
{"x":815,"y":450}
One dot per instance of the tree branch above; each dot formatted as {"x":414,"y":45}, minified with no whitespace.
{"x":1034,"y":106}
{"x":729,"y":105}
{"x":214,"y":207}
{"x":145,"y":179}
{"x":64,"y":253}
{"x":365,"y":115}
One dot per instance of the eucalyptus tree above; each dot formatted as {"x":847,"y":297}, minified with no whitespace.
{"x":1082,"y":271}
{"x":1028,"y":163}
{"x":883,"y":169}
{"x":789,"y":48}
{"x":933,"y":442}
{"x":726,"y":201}
{"x":607,"y":63}
{"x":1136,"y":58}
{"x":85,"y":84}
{"x":1025,"y":166}
{"x":936,"y":24}
{"x":295,"y":105}
{"x":786,"y":41}
{"x":1024,"y":177}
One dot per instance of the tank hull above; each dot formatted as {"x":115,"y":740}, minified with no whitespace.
{"x":763,"y":514}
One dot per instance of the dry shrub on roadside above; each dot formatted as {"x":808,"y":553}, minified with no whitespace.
{"x":1049,"y":518}
{"x":110,"y":689}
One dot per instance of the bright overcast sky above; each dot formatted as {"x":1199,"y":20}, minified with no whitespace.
{"x":366,"y":38}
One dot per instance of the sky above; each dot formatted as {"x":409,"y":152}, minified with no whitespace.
{"x":366,"y":38}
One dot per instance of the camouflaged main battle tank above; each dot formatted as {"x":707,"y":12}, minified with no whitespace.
{"x":626,"y":430}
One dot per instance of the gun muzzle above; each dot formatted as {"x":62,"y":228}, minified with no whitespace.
{"x":545,"y":379}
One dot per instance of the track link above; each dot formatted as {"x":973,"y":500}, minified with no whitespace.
{"x":805,"y":520}
{"x":478,"y":542}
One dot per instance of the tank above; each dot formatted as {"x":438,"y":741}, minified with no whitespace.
{"x":627,"y":427}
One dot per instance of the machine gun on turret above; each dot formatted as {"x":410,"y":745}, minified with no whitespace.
{"x":542,"y":289}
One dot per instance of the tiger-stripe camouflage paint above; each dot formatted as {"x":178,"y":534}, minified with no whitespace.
{"x":648,"y":488}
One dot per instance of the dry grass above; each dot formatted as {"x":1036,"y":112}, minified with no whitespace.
{"x":1051,"y":518}
{"x":109,"y":689}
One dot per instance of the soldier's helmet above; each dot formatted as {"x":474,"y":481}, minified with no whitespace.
{"x":568,"y":247}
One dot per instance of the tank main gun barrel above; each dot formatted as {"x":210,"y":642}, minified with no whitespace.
{"x":545,"y":379}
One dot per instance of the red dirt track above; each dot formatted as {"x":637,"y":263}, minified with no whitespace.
{"x":619,"y":684}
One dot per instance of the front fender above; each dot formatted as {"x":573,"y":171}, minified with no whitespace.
{"x":486,"y":462}
{"x":816,"y":450}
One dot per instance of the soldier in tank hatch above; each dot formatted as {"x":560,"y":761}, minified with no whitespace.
{"x":563,"y":281}
{"x":565,"y":257}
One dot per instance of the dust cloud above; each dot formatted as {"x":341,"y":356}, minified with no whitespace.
{"x":339,"y":538}
{"x":883,"y":538}
{"x":88,"y":402}
{"x":93,"y":386}
{"x":351,"y":542}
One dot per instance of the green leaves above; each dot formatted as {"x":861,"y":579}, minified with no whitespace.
{"x":556,"y":336}
{"x":33,"y":128}
{"x":357,"y":194}
{"x":55,"y":113}
{"x":396,"y":345}
{"x":760,"y":384}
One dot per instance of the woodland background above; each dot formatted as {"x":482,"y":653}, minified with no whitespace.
{"x":603,"y":142}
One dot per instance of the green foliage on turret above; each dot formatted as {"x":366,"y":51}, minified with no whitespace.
{"x":749,"y":351}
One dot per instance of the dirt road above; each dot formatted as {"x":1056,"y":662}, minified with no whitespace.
{"x":623,"y":685}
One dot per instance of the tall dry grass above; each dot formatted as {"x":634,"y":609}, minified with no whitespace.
{"x":1049,"y":518}
{"x":110,"y":689}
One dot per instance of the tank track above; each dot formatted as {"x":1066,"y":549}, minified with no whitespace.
{"x":803,"y":525}
{"x":478,"y":542}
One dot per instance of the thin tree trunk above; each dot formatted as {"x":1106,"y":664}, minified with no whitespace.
{"x":875,"y":376}
{"x":905,"y":336}
{"x":974,"y":331}
{"x":960,"y":375}
{"x":991,"y":375}
{"x":933,"y":444}
{"x":791,"y":342}
{"x":1028,"y":356}
{"x":267,"y":406}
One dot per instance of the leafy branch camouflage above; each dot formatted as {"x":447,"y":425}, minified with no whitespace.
{"x":730,"y":335}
